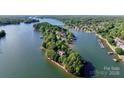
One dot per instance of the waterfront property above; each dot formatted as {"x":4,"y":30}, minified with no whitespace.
{"x":61,"y":53}
{"x":119,"y":43}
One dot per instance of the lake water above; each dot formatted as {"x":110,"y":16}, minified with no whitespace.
{"x":100,"y":62}
{"x":20,"y":54}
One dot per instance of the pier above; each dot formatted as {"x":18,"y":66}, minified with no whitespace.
{"x":100,"y":43}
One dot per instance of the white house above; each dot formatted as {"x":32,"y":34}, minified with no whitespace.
{"x":119,"y":43}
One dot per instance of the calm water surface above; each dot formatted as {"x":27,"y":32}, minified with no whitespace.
{"x":89,"y":48}
{"x":20,"y":54}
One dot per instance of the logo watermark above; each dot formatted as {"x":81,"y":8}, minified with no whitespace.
{"x":108,"y":71}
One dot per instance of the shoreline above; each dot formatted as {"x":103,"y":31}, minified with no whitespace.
{"x":57,"y":64}
{"x":61,"y":67}
{"x":106,"y":44}
{"x":116,"y":57}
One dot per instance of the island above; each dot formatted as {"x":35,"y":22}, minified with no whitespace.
{"x":57,"y":46}
{"x":2,"y":33}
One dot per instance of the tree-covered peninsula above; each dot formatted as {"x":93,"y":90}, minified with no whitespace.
{"x":57,"y":48}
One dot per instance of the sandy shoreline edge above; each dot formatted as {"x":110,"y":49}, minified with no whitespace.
{"x":57,"y":64}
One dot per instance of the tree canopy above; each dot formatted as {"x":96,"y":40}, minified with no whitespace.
{"x":119,"y":51}
{"x":56,"y":43}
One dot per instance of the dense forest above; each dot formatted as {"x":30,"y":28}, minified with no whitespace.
{"x":109,"y":27}
{"x":56,"y":43}
{"x":29,"y":20}
{"x":6,"y":20}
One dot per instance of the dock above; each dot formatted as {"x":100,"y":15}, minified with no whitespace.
{"x":100,"y":43}
{"x":110,"y":53}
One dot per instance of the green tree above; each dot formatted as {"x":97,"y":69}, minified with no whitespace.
{"x":119,"y":51}
{"x":74,"y":62}
{"x":51,"y":45}
{"x":110,"y":40}
{"x":50,"y":54}
{"x":44,"y":44}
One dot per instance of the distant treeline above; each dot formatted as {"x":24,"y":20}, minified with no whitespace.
{"x":2,"y":33}
{"x":6,"y":20}
{"x":108,"y":26}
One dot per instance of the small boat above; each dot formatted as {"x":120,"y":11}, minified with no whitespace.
{"x":110,"y":53}
{"x":116,"y":60}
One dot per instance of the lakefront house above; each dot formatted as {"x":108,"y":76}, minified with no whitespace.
{"x":61,"y":53}
{"x":119,"y":43}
